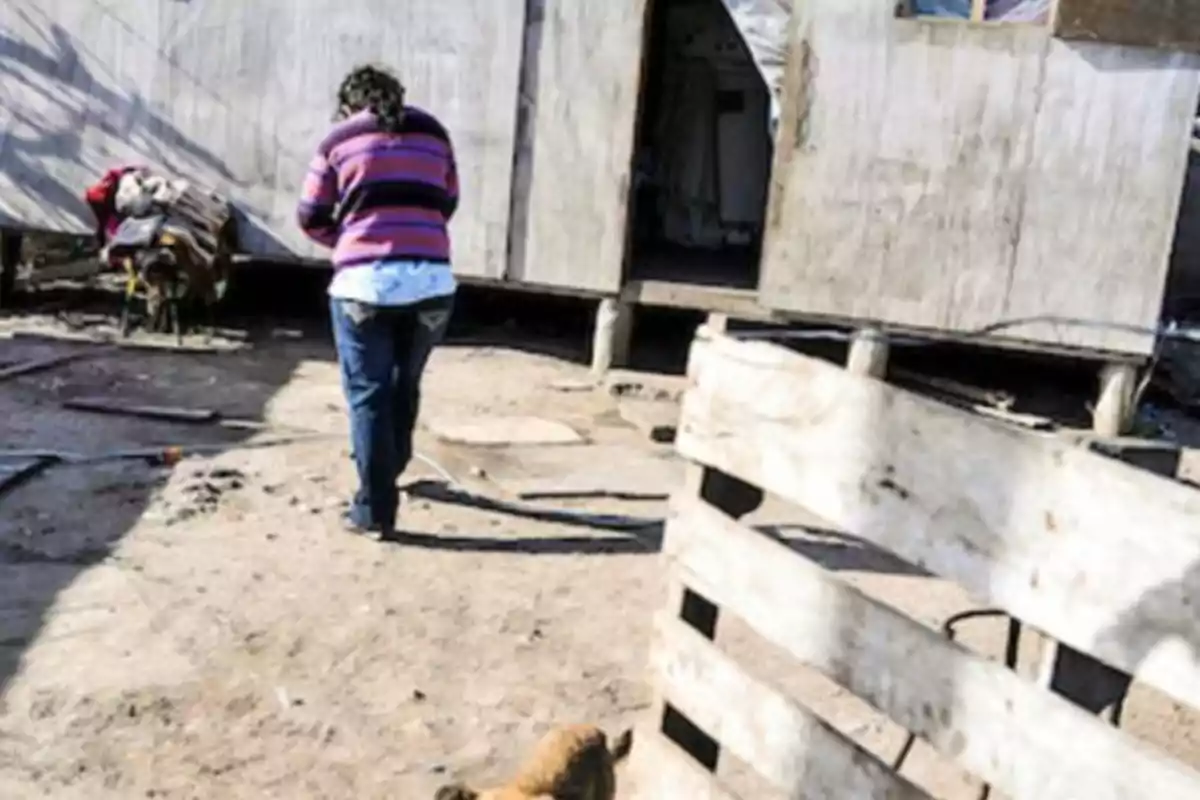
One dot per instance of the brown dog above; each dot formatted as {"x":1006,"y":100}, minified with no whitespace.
{"x":569,"y":763}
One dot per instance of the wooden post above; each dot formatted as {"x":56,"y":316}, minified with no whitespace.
{"x":1114,"y":406}
{"x":612,"y":335}
{"x":10,"y":261}
{"x":737,"y":499}
{"x":978,"y":10}
{"x":868,"y":353}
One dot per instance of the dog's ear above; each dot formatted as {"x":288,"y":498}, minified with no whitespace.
{"x":621,"y":746}
{"x":456,"y":791}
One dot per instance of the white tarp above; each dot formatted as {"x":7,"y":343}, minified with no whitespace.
{"x":764,"y":27}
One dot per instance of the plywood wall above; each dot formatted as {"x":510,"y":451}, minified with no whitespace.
{"x":586,"y":102}
{"x":950,"y":176}
{"x":236,"y":94}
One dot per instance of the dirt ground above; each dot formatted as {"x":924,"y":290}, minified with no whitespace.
{"x":207,"y":631}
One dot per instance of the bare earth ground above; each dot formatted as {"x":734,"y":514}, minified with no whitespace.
{"x":206,"y":631}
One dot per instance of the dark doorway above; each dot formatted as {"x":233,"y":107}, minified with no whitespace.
{"x":702,"y":156}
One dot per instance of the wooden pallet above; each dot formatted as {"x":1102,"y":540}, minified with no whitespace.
{"x":1101,"y":556}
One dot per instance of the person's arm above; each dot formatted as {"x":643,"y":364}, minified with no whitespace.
{"x":318,"y":202}
{"x":451,"y":180}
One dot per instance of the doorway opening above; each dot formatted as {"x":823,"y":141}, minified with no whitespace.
{"x":703,"y":150}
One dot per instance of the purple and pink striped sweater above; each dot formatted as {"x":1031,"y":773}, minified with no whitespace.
{"x":375,"y":196}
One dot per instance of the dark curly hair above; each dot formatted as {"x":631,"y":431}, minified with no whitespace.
{"x":373,"y":88}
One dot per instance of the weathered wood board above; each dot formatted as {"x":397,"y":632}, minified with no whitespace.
{"x":1078,"y":545}
{"x":756,"y":722}
{"x":235,"y":96}
{"x":586,"y":103}
{"x":1101,"y":556}
{"x":983,"y":716}
{"x":941,"y":175}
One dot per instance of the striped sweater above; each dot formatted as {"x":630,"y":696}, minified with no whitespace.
{"x":373,"y":196}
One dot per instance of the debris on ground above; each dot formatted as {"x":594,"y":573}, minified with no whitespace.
{"x":656,"y":419}
{"x":12,"y":478}
{"x":102,"y":405}
{"x":572,"y":385}
{"x":953,"y":391}
{"x":203,"y":493}
{"x":645,"y":386}
{"x":1178,"y":372}
{"x":149,"y":342}
{"x":49,"y":362}
{"x":617,"y":471}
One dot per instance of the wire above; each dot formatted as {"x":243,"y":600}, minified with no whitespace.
{"x":1011,"y":648}
{"x":1011,"y":651}
{"x":1169,"y":330}
{"x":609,"y":521}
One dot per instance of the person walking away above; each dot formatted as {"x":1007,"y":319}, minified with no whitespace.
{"x":380,"y":193}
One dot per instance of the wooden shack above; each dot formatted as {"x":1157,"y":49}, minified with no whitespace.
{"x":1010,"y":169}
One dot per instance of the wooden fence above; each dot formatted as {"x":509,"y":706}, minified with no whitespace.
{"x":1103,"y":557}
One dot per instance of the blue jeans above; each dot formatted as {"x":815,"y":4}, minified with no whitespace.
{"x":382,"y":352}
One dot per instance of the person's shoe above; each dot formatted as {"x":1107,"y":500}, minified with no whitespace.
{"x":373,"y":532}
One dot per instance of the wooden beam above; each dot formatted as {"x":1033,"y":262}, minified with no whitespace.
{"x":1100,"y":556}
{"x":786,"y":744}
{"x":1022,"y":739}
{"x":1115,"y":405}
{"x":978,"y":10}
{"x":659,"y":769}
{"x":612,"y":335}
{"x":733,"y":497}
{"x":868,"y":354}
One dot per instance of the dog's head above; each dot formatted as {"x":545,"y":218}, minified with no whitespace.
{"x":456,"y":791}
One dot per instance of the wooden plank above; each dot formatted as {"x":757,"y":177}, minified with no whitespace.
{"x":739,"y":303}
{"x":49,"y":362}
{"x":661,"y":770}
{"x":586,"y":108}
{"x":1023,"y":740}
{"x":120,"y":407}
{"x":785,"y":743}
{"x":943,"y":175}
{"x":235,"y":96}
{"x":899,"y":166}
{"x":1098,"y":555}
{"x":1163,"y":24}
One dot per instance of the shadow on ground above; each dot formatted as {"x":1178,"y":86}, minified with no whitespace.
{"x":72,"y":517}
{"x":56,"y":525}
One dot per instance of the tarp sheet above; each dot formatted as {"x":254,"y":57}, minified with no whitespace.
{"x":764,"y":27}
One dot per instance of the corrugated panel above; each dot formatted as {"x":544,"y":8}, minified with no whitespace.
{"x":235,"y":95}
